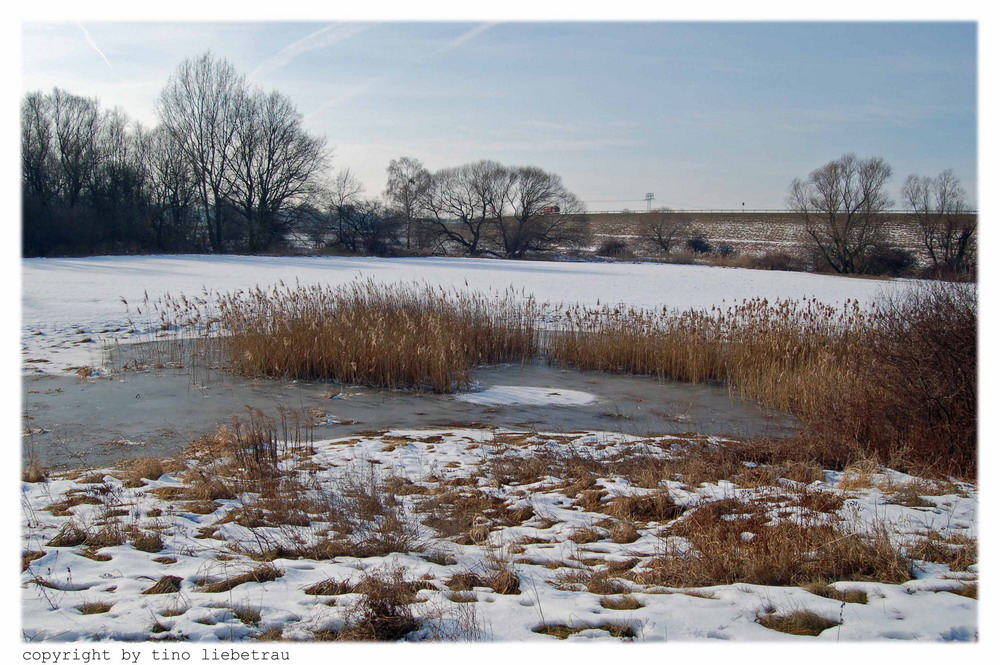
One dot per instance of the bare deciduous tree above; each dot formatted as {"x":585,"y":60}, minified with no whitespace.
{"x":273,"y":166}
{"x":201,"y":107}
{"x":842,"y":205}
{"x":77,"y":123}
{"x":171,"y":188}
{"x":948,"y":230}
{"x":364,"y":226}
{"x":407,"y":183}
{"x":457,"y":202}
{"x":533,"y":211}
{"x":664,"y":228}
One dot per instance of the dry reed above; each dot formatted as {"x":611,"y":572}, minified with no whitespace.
{"x":385,"y":335}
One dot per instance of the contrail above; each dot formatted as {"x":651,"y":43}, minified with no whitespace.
{"x":326,"y":36}
{"x":93,"y":44}
{"x":361,"y":89}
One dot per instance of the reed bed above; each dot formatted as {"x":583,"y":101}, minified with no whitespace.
{"x":773,"y":353}
{"x":895,"y":381}
{"x":396,"y":336}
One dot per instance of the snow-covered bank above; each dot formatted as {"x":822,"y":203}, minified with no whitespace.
{"x":558,"y":541}
{"x":70,"y":305}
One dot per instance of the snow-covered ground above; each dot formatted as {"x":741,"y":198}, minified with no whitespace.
{"x":71,"y":305}
{"x":537,"y":534}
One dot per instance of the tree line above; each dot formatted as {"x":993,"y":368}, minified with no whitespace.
{"x":230,"y":168}
{"x":844,"y":208}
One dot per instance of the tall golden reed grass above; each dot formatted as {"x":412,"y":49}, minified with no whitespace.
{"x":386,"y":335}
{"x":895,"y":381}
{"x":773,"y":353}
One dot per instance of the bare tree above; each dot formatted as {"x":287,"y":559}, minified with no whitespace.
{"x":76,"y":124}
{"x":533,"y":211}
{"x":948,"y":230}
{"x":842,"y":205}
{"x":365,"y":226}
{"x":171,"y":190}
{"x":664,"y":228}
{"x":37,"y":150}
{"x":201,"y":107}
{"x":408,"y":182}
{"x":457,"y":202}
{"x":343,"y":189}
{"x":274,"y":164}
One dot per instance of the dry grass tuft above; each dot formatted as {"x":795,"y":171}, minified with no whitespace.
{"x":166,"y":584}
{"x":735,"y":541}
{"x":111,"y":535}
{"x":27,"y":556}
{"x":246,"y":614}
{"x":94,"y":608}
{"x":625,"y":602}
{"x":144,"y":468}
{"x":382,"y":613}
{"x":799,"y":622}
{"x":832,"y":592}
{"x":563,"y":631}
{"x":956,"y":551}
{"x":655,"y":507}
{"x":329,"y":587}
{"x":264,"y":573}
{"x":70,"y":535}
{"x":146,"y":541}
{"x":967,"y":590}
{"x":599,"y":581}
{"x":34,"y":473}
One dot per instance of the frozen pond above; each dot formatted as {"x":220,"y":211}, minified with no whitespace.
{"x":74,"y":422}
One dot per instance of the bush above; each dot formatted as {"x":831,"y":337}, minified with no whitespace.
{"x":699,"y":244}
{"x":615,"y":248}
{"x":725,"y":249}
{"x":891,"y":261}
{"x":777,"y":260}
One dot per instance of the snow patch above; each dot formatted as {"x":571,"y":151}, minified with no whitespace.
{"x":527,"y":396}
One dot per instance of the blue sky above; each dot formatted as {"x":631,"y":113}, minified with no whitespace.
{"x":705,"y":115}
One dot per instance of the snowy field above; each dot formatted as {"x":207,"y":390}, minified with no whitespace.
{"x":71,"y":305}
{"x":466,"y":532}
{"x":246,"y":565}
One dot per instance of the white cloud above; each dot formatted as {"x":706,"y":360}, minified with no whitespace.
{"x":362,"y":88}
{"x":322,"y":38}
{"x":93,"y":45}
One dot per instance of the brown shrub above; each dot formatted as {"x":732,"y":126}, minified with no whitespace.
{"x":382,"y":613}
